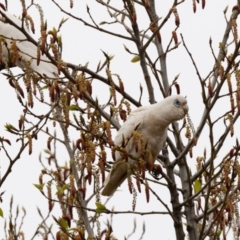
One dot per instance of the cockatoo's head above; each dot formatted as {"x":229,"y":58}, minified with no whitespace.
{"x":175,"y":107}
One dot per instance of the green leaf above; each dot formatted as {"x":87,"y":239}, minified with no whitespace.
{"x":1,"y":213}
{"x":47,"y":151}
{"x":63,"y":223}
{"x":100,"y":207}
{"x":73,"y":108}
{"x":39,"y":186}
{"x":59,"y":40}
{"x":135,"y":59}
{"x":44,"y":87}
{"x":54,"y":30}
{"x":219,"y":233}
{"x":60,"y":190}
{"x":108,"y":57}
{"x":111,"y":57}
{"x":197,"y":185}
{"x":64,"y":187}
{"x":64,"y":20}
{"x":9,"y":127}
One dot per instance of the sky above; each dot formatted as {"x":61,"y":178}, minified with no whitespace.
{"x":81,"y":45}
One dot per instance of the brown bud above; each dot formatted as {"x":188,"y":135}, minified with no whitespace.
{"x":2,"y":6}
{"x":51,"y":93}
{"x":138,"y":183}
{"x":20,"y":91}
{"x":78,"y":144}
{"x":175,"y":38}
{"x":130,"y":184}
{"x":210,"y":90}
{"x":177,"y":87}
{"x":49,"y":143}
{"x":159,"y":37}
{"x":195,"y":140}
{"x":40,"y":179}
{"x":11,"y":83}
{"x":123,"y":115}
{"x":235,"y":8}
{"x":20,"y":122}
{"x":194,"y":7}
{"x":231,"y":153}
{"x":24,"y":13}
{"x":121,"y":86}
{"x":147,"y":4}
{"x":56,"y":87}
{"x":134,"y":19}
{"x":89,"y":87}
{"x":71,"y":3}
{"x":113,"y":154}
{"x":177,"y":21}
{"x":147,"y":192}
{"x":7,"y":141}
{"x":58,"y":235}
{"x":83,"y":191}
{"x":190,"y":153}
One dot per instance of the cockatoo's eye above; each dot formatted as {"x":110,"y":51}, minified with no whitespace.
{"x":176,"y":103}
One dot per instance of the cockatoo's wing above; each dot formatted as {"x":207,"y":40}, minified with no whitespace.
{"x":143,"y":121}
{"x":115,"y":178}
{"x":152,"y":123}
{"x":27,"y":50}
{"x":119,"y":171}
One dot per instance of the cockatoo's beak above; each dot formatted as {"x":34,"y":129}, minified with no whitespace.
{"x":185,"y":108}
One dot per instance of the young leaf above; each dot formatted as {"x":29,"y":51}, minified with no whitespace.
{"x":197,"y":185}
{"x":39,"y":186}
{"x":100,"y":207}
{"x":136,"y":58}
{"x":73,"y":108}
{"x":63,"y":223}
{"x":1,"y":213}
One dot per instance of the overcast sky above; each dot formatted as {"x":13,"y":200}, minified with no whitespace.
{"x":82,"y":44}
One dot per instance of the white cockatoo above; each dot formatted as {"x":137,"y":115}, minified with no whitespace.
{"x":27,"y":50}
{"x":151,"y":124}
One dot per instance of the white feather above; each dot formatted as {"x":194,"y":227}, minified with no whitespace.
{"x":152,"y":122}
{"x":28,"y":50}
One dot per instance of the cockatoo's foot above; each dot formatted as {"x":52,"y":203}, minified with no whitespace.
{"x":156,"y":171}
